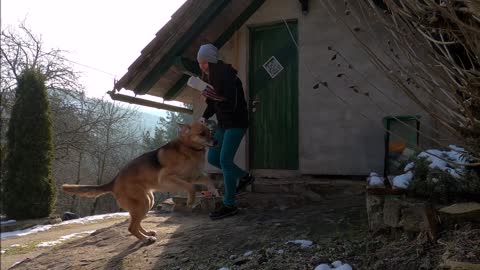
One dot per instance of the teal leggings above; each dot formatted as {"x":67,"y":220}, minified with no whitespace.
{"x":222,"y":157}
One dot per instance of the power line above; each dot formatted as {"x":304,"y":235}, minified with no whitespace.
{"x":90,"y":67}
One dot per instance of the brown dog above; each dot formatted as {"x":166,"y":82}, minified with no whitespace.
{"x":174,"y":167}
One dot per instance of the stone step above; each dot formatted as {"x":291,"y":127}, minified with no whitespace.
{"x":306,"y":186}
{"x":298,"y":185}
{"x":245,"y":200}
{"x":282,"y":193}
{"x":280,"y":201}
{"x":179,"y":204}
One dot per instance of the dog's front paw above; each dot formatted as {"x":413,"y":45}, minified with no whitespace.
{"x":151,"y":233}
{"x":150,"y":240}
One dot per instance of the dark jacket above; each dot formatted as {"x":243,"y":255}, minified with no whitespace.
{"x":232,"y":112}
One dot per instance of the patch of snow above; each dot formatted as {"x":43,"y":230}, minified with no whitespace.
{"x":15,"y":264}
{"x":38,"y":228}
{"x":280,"y":251}
{"x":15,"y":245}
{"x":7,"y":221}
{"x":89,"y":219}
{"x":224,"y":268}
{"x":409,"y":167}
{"x":63,"y":238}
{"x":453,"y":172}
{"x":41,"y":228}
{"x":442,"y":160}
{"x":302,"y":243}
{"x":403,"y":180}
{"x":374,"y":180}
{"x":323,"y":267}
{"x":3,"y":251}
{"x":248,"y":253}
{"x":456,"y":148}
{"x":454,"y":155}
{"x":336,"y":265}
{"x":435,"y":162}
{"x":232,"y":257}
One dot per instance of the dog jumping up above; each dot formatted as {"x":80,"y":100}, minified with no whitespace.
{"x":174,"y":167}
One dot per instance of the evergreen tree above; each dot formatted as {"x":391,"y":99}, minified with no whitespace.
{"x":28,"y":188}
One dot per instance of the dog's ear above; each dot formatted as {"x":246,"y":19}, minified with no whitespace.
{"x":183,"y":128}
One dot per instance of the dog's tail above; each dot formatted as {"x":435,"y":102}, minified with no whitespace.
{"x":88,"y":190}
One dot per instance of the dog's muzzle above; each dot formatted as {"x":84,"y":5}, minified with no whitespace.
{"x":212,"y":143}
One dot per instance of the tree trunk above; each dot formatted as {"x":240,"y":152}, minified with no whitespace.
{"x":77,"y":182}
{"x":102,"y":166}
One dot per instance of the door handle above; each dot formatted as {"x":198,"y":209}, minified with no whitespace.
{"x":254,"y":104}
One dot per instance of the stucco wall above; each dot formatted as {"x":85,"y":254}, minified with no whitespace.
{"x":334,"y":138}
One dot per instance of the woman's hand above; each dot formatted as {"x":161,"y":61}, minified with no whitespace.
{"x":211,"y":94}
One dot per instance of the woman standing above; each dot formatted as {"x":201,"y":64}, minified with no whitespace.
{"x":227,"y":101}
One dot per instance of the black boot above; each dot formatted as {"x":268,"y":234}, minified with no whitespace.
{"x":223,"y":212}
{"x":244,"y":183}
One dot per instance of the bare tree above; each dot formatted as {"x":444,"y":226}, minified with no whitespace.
{"x":22,"y":49}
{"x":74,"y":121}
{"x":74,"y":115}
{"x":84,"y":128}
{"x":112,"y":137}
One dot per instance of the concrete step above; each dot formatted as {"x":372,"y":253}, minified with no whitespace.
{"x":280,"y":201}
{"x":178,"y":203}
{"x":309,"y":187}
{"x":269,"y":193}
{"x":303,"y":185}
{"x":245,"y":200}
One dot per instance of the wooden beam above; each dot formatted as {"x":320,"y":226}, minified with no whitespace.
{"x":187,"y":66}
{"x":235,"y":50}
{"x":148,"y":103}
{"x":176,"y":89}
{"x":239,"y":21}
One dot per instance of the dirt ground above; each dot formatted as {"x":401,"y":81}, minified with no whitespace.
{"x":254,"y":239}
{"x":193,"y":241}
{"x":25,"y":246}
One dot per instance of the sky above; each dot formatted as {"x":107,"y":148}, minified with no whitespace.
{"x":102,"y":38}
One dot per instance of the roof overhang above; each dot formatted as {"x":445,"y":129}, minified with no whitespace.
{"x":148,"y":103}
{"x":167,"y":62}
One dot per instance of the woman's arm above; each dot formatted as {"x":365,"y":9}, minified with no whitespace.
{"x":210,"y":110}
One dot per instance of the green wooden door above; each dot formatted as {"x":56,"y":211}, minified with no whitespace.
{"x":273,"y":98}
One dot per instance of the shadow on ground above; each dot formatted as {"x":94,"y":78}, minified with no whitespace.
{"x":192,"y":241}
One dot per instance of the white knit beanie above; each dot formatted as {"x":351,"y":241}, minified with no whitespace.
{"x":208,"y":52}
